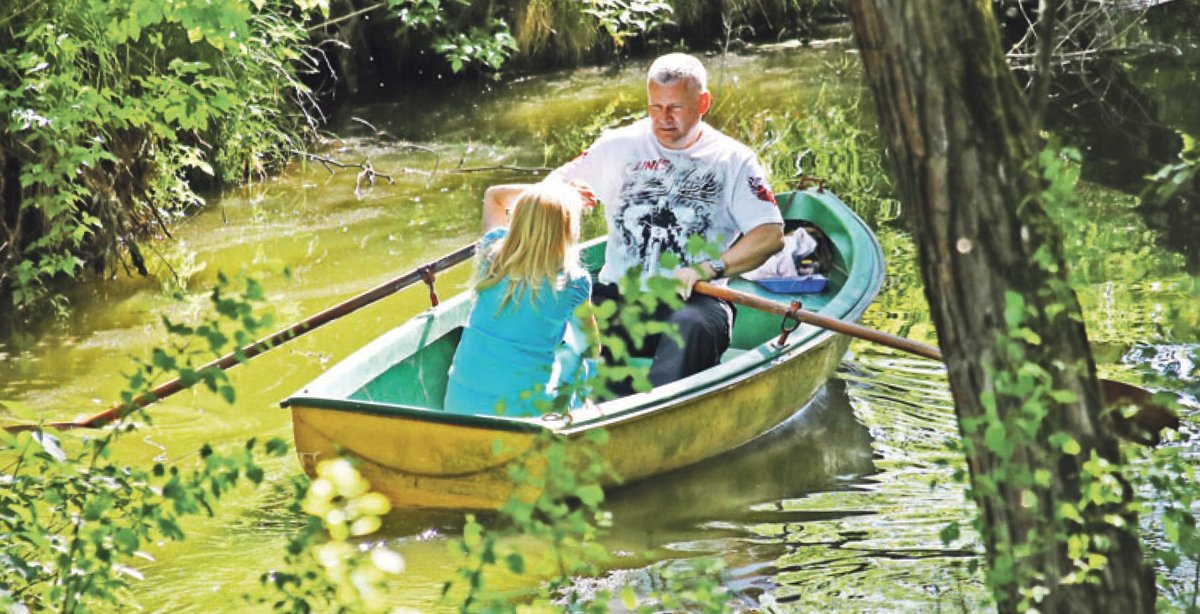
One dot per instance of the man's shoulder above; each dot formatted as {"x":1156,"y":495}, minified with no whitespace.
{"x":728,"y":145}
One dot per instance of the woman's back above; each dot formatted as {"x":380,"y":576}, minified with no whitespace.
{"x":507,"y":349}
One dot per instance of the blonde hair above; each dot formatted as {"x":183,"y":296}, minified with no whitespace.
{"x":542,"y":242}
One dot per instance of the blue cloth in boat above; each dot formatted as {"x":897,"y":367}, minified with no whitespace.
{"x":506,"y":352}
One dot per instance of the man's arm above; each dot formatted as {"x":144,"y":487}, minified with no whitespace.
{"x":746,"y":254}
{"x":497,"y":201}
{"x":752,"y":250}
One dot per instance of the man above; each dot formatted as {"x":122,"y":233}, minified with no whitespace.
{"x":669,"y":177}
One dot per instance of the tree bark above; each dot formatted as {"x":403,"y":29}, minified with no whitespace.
{"x":959,"y":136}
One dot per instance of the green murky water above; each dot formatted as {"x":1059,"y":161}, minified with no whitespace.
{"x":839,"y":509}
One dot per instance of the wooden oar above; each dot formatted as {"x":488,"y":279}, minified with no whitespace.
{"x":225,"y":362}
{"x":1150,"y":418}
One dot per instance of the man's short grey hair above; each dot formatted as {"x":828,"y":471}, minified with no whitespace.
{"x":672,"y":67}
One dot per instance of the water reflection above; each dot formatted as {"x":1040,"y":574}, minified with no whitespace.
{"x":820,"y":448}
{"x":841,"y":507}
{"x":888,"y":554}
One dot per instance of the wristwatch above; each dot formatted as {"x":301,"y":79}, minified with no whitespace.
{"x":718,"y":268}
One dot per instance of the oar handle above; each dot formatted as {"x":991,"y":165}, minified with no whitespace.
{"x":816,"y":319}
{"x":1151,"y":416}
{"x":350,"y":305}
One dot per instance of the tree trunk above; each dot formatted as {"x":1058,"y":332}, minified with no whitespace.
{"x":958,"y":132}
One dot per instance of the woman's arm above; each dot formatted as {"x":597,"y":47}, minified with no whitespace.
{"x":497,"y":201}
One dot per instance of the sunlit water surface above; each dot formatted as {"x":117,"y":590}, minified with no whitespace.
{"x":840,"y":508}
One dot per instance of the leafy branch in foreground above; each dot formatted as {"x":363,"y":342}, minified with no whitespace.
{"x":74,"y":521}
{"x":114,"y":114}
{"x":324,"y":570}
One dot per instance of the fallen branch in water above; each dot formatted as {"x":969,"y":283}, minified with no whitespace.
{"x":368,"y":173}
{"x":367,"y":170}
{"x":503,"y":167}
{"x":327,"y":162}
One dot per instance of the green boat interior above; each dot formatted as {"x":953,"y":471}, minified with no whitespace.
{"x":418,"y":378}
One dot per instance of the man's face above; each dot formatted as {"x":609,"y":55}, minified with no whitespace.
{"x":675,"y":112}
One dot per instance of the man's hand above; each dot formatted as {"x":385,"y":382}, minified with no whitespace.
{"x":585,"y":192}
{"x":688,"y":276}
{"x":497,"y":201}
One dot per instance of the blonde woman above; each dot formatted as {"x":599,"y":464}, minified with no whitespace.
{"x":528,"y":286}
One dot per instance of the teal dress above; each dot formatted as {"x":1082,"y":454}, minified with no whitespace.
{"x":506,"y":353}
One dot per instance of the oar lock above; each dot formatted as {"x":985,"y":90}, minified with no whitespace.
{"x":428,"y":275}
{"x":789,"y":323}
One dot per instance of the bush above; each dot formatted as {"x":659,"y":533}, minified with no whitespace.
{"x":112,"y":113}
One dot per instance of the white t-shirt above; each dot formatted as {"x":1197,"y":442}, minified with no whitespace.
{"x":656,"y":198}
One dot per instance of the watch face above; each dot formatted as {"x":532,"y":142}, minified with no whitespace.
{"x":718,"y":267}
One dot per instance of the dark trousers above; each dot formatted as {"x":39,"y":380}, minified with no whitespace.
{"x":704,"y":325}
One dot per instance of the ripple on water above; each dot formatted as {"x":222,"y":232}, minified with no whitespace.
{"x":861,"y":531}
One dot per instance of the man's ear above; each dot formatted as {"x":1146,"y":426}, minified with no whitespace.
{"x":705,"y":101}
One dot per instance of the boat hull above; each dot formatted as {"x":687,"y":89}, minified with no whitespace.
{"x":696,"y":427}
{"x":422,"y":464}
{"x":416,"y":463}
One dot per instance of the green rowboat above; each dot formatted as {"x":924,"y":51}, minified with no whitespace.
{"x":382,"y":404}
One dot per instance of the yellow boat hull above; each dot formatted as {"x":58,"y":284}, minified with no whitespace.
{"x":421,"y":464}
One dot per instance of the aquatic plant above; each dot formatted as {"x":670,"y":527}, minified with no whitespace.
{"x":831,"y":144}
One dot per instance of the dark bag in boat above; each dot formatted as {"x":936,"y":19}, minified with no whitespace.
{"x":817,"y":256}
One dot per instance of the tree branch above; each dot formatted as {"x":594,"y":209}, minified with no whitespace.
{"x":1046,"y":24}
{"x":346,"y":17}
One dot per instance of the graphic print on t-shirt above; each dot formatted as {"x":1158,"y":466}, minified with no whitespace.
{"x":661,"y":205}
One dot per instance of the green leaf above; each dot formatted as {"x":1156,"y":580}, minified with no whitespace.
{"x":126,"y":540}
{"x":96,"y":506}
{"x":1170,"y":558}
{"x":591,"y":495}
{"x":1014,"y":308}
{"x":1063,"y":396}
{"x":996,"y":439}
{"x":1070,"y":512}
{"x":950,"y":533}
{"x":516,"y":563}
{"x":277,"y":446}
